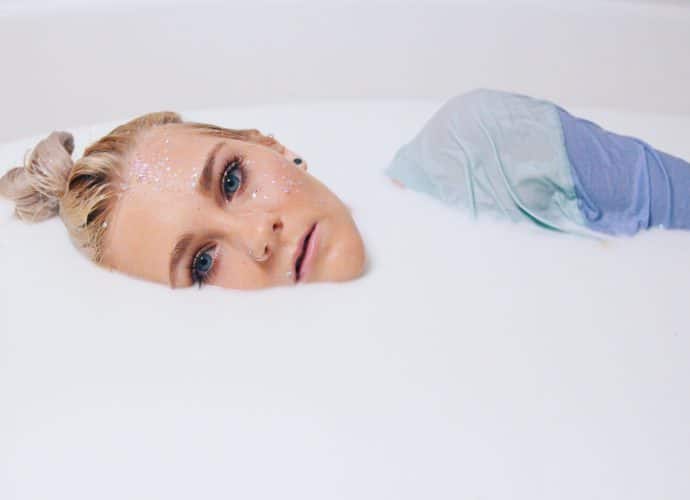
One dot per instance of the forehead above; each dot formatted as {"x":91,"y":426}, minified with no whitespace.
{"x":162,"y":148}
{"x":159,"y":192}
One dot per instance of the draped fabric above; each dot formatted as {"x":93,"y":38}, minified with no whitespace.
{"x":527,"y":159}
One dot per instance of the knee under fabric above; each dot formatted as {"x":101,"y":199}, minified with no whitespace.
{"x":528,"y":159}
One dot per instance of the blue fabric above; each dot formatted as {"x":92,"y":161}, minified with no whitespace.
{"x":528,"y":159}
{"x":623,"y":184}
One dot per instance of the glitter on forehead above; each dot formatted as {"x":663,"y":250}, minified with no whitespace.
{"x":141,"y":170}
{"x":157,"y":171}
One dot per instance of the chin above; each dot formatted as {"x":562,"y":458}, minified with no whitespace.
{"x":348,"y":262}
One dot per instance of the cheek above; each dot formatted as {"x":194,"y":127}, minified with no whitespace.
{"x":284,"y":183}
{"x":274,"y":185}
{"x":238,"y":272}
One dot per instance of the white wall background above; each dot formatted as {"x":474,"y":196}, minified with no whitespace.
{"x":68,"y":63}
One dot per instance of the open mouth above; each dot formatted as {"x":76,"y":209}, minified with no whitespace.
{"x":303,"y":253}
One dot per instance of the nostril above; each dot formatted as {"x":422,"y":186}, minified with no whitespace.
{"x":264,"y":255}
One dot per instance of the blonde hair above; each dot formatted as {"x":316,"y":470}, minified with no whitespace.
{"x":84,"y":193}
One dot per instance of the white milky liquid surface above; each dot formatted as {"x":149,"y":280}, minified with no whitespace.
{"x":475,"y":359}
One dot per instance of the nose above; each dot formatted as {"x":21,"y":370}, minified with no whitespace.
{"x":262,"y":237}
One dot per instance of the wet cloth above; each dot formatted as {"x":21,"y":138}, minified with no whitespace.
{"x":623,"y":184}
{"x":528,"y":159}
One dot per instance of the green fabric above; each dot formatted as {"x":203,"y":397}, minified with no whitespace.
{"x":491,"y":151}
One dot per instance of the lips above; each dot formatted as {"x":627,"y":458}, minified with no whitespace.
{"x":302,"y":252}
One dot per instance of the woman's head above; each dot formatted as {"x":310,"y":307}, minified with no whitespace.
{"x":178,"y":203}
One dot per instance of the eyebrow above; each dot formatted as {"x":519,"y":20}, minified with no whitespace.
{"x":207,"y":172}
{"x":205,"y":181}
{"x":179,"y":251}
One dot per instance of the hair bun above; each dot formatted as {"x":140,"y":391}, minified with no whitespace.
{"x":37,"y":187}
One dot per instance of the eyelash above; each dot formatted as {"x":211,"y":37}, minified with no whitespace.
{"x":202,"y":277}
{"x":199,"y":278}
{"x":238,"y":162}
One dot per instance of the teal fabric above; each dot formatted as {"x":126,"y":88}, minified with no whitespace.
{"x":489,"y":151}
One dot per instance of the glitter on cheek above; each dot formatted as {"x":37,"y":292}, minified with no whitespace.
{"x":194,"y":178}
{"x":290,"y":184}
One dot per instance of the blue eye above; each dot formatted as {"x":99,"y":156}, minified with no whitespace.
{"x":202,"y":265}
{"x":232,"y":178}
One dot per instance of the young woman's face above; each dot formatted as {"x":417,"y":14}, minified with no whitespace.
{"x":232,"y":213}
